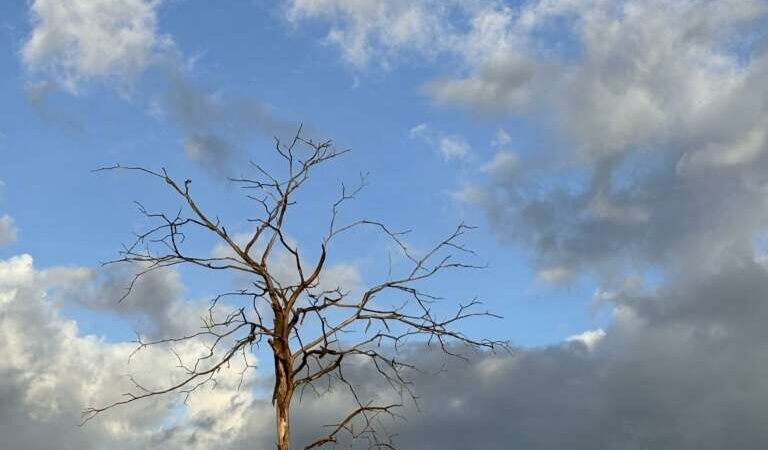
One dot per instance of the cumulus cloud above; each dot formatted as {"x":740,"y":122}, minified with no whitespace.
{"x":501,"y":83}
{"x":494,"y":67}
{"x":8,"y":231}
{"x":661,"y":139}
{"x":78,"y":40}
{"x":589,"y":338}
{"x":50,"y":372}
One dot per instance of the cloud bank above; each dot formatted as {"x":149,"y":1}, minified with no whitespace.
{"x":652,"y":181}
{"x":678,"y":368}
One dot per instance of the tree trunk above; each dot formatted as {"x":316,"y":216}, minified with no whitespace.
{"x":282,"y":415}
{"x":283,"y":392}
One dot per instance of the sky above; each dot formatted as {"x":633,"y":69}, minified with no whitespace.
{"x":613,"y":155}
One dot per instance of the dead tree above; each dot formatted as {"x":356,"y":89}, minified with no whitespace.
{"x":313,"y":333}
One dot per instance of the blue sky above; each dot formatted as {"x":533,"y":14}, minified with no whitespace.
{"x":247,"y":51}
{"x":612,"y":153}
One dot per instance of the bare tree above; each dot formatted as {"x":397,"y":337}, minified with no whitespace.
{"x":313,"y":332}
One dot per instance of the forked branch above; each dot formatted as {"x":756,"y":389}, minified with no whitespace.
{"x":313,"y":332}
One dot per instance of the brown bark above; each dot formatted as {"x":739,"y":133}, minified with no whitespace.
{"x":282,"y":414}
{"x":283,"y":392}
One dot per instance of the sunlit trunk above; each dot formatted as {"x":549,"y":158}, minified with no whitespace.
{"x":282,"y":414}
{"x":283,"y":383}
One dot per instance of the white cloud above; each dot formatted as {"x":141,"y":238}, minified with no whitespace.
{"x":557,"y":274}
{"x":371,"y":31}
{"x":502,"y":139}
{"x":79,"y":40}
{"x":419,"y":131}
{"x":282,"y":266}
{"x":450,"y":147}
{"x":589,"y":338}
{"x":471,"y":194}
{"x":8,"y":231}
{"x":16,"y":271}
{"x":481,"y":35}
{"x":453,"y":147}
{"x":50,"y":373}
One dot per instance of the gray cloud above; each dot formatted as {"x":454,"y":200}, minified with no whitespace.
{"x":670,"y":372}
{"x":216,"y":128}
{"x":661,"y":165}
{"x":501,"y":83}
{"x":155,"y":307}
{"x":672,"y":375}
{"x":681,"y":367}
{"x":38,"y":95}
{"x":667,"y":126}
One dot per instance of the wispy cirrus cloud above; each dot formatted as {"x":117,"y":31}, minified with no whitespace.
{"x":449,"y":146}
{"x":373,"y":32}
{"x":214,"y":125}
{"x":8,"y":230}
